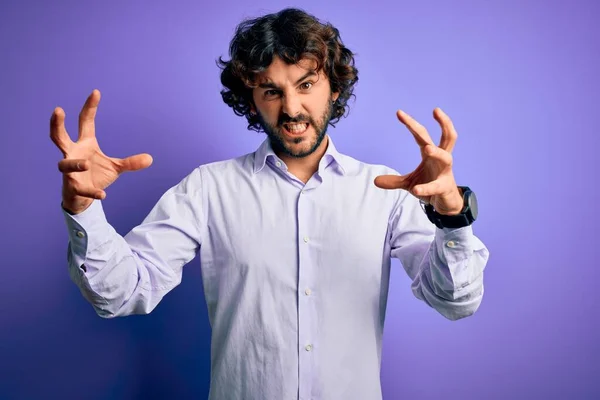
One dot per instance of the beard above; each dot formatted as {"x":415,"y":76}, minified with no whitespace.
{"x":276,"y":135}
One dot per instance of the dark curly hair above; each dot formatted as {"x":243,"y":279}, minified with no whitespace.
{"x":292,"y":35}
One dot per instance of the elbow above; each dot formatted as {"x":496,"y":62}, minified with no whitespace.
{"x":105,"y":314}
{"x":461,"y":311}
{"x":455,"y":305}
{"x":140,"y":303}
{"x":107,"y":311}
{"x":121,"y":312}
{"x":462,"y":308}
{"x":127,"y":309}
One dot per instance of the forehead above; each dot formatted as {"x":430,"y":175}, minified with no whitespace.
{"x":280,"y":72}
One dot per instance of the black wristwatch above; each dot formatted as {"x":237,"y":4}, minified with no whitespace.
{"x":466,"y":217}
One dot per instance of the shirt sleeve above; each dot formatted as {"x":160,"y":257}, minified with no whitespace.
{"x":124,"y":275}
{"x":445,"y":265}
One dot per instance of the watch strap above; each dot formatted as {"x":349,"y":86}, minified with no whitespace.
{"x":464,"y":218}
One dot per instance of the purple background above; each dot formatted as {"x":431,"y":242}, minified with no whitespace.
{"x":518,"y":78}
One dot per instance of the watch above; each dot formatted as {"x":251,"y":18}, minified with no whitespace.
{"x":466,"y":217}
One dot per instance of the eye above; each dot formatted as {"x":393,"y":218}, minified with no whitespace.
{"x":271,"y":93}
{"x":306,"y":85}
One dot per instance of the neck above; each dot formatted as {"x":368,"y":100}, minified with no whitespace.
{"x":303,"y":168}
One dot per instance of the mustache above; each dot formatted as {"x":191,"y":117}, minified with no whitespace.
{"x":286,"y":119}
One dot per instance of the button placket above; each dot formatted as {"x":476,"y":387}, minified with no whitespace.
{"x":306,"y":306}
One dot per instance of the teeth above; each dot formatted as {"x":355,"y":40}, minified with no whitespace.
{"x":296,"y":128}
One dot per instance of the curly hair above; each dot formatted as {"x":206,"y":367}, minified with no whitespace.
{"x":292,"y":35}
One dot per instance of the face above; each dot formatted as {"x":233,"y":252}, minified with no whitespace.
{"x":294,"y":105}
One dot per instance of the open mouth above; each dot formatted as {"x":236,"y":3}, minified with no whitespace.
{"x":295,"y":128}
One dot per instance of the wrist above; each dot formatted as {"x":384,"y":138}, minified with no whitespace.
{"x":465,"y":217}
{"x":458,"y":200}
{"x":75,"y":204}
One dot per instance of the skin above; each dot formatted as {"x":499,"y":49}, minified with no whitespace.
{"x":86,"y":170}
{"x":433,"y":180}
{"x":285,"y":92}
{"x":295,"y":92}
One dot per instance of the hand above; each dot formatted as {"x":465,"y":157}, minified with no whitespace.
{"x":87,"y":171}
{"x":432,"y":181}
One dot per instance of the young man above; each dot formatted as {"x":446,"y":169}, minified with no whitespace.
{"x":295,"y":239}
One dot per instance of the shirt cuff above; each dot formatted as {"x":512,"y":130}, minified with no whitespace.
{"x":454,"y":244}
{"x":87,"y":230}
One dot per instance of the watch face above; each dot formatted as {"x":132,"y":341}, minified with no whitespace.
{"x":473,"y":205}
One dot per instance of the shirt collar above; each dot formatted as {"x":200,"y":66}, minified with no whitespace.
{"x":331,"y":157}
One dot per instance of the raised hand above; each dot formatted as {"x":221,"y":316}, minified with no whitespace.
{"x":87,"y":171}
{"x":433,"y":180}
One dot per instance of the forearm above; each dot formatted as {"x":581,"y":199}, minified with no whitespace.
{"x":450,"y":275}
{"x":131,"y":274}
{"x":110,"y":275}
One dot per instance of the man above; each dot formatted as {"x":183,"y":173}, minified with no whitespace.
{"x":295,"y":239}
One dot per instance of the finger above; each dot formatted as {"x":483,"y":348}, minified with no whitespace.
{"x":88,"y":114}
{"x":58,"y":133}
{"x":73,"y":165}
{"x":134,"y":163}
{"x":418,"y":130}
{"x":449,"y":134}
{"x":438,"y":154}
{"x":91,"y":192}
{"x":429,"y":189}
{"x":391,"y":182}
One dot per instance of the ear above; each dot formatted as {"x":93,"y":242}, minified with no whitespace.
{"x":335,"y":96}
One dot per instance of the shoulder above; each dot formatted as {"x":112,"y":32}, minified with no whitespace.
{"x":361,"y":168}
{"x":364,"y":173}
{"x":221,"y":170}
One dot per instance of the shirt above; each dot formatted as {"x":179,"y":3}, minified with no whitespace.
{"x":295,"y":275}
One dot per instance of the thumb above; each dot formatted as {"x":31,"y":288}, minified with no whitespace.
{"x":136,"y":162}
{"x":391,"y":182}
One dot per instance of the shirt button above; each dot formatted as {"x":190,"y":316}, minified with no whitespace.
{"x":303,"y":191}
{"x":450,"y":244}
{"x":308,"y":347}
{"x":80,"y":234}
{"x":278,"y":164}
{"x":307,"y":292}
{"x":305,"y":239}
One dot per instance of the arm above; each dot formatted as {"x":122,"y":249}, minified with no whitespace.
{"x":130,"y":275}
{"x":445,"y":265}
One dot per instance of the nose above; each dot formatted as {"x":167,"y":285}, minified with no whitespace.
{"x":291,"y":105}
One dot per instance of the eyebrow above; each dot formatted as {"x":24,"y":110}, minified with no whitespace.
{"x":271,"y":85}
